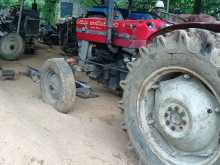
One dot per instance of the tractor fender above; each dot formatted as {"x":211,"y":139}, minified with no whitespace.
{"x":214,"y":27}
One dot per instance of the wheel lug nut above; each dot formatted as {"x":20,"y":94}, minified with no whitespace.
{"x":176,"y":108}
{"x":166,"y":115}
{"x":181,"y":128}
{"x":186,"y":76}
{"x":209,"y":111}
{"x":167,"y":123}
{"x":173,"y":128}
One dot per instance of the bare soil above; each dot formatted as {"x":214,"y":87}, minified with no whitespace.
{"x":33,"y":133}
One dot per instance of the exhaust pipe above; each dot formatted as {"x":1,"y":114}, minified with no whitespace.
{"x":20,"y":16}
{"x":110,"y":20}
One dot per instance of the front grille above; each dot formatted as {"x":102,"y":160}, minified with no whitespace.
{"x":31,"y":26}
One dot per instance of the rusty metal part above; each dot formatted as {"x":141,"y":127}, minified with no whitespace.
{"x":214,"y":27}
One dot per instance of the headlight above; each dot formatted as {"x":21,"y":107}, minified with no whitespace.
{"x":151,"y":25}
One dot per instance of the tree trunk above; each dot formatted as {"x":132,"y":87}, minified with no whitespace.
{"x":104,"y":2}
{"x":129,"y":6}
{"x":198,"y":5}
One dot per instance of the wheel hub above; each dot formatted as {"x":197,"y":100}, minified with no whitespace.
{"x":11,"y":45}
{"x":185,"y":117}
{"x":176,"y":120}
{"x":54,"y":85}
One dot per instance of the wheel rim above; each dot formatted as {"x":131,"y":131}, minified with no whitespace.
{"x":177,"y":116}
{"x":11,"y":45}
{"x":53,"y":85}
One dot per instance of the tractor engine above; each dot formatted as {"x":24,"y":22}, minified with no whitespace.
{"x":107,"y":62}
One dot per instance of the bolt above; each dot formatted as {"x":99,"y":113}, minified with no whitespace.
{"x":51,"y":87}
{"x":209,"y":111}
{"x":167,"y":123}
{"x":173,"y":128}
{"x":181,"y":127}
{"x":186,"y":76}
{"x":166,"y":115}
{"x":176,"y":108}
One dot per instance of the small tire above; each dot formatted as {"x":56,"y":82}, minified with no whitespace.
{"x":11,"y":46}
{"x":58,"y":85}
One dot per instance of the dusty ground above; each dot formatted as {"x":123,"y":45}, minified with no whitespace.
{"x":33,"y":133}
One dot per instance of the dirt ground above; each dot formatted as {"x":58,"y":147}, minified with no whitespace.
{"x":33,"y":133}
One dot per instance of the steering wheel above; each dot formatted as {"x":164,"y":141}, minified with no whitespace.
{"x":169,"y":17}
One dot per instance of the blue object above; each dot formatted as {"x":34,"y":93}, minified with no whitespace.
{"x":104,"y":12}
{"x":139,"y":16}
{"x":66,"y":9}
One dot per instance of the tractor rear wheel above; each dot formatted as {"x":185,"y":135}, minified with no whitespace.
{"x":58,"y":85}
{"x":171,"y":100}
{"x":11,"y":46}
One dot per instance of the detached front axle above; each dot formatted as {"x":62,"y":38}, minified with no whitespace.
{"x":83,"y":90}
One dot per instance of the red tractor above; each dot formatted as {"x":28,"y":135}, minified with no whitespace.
{"x":170,"y":79}
{"x":105,"y":50}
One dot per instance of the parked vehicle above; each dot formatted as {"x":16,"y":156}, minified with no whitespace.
{"x":170,"y":78}
{"x":17,"y":31}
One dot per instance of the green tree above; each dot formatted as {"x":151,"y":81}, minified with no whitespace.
{"x":48,"y":7}
{"x":49,"y":11}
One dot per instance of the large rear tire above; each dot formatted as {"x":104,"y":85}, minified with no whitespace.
{"x":11,"y":46}
{"x":58,"y":85}
{"x":171,"y":100}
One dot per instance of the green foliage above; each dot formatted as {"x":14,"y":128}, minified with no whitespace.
{"x":49,"y":11}
{"x":48,"y":7}
{"x":89,"y":3}
{"x":212,"y":7}
{"x":181,"y":6}
{"x":176,"y":6}
{"x":6,"y":3}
